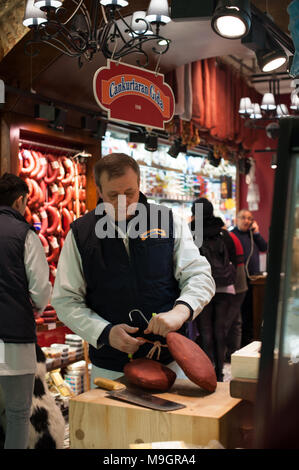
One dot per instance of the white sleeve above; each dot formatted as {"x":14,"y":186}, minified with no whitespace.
{"x":37,"y":272}
{"x":69,"y":295}
{"x":191,"y":270}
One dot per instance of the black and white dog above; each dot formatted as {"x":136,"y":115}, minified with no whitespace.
{"x":47,"y":425}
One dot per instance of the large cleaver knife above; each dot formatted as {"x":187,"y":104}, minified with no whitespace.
{"x":119,"y":391}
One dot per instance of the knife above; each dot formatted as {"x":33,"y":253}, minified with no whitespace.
{"x":119,"y":391}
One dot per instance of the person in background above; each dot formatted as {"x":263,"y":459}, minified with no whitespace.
{"x":219,"y":249}
{"x":101,"y":278}
{"x":247,"y":231}
{"x":234,"y":334}
{"x":24,"y":288}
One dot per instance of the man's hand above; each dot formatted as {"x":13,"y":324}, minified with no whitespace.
{"x":163,"y":323}
{"x":255,"y":227}
{"x":119,"y":338}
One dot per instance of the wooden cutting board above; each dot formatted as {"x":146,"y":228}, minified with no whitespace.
{"x":99,"y":422}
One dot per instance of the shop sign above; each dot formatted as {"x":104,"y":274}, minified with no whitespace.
{"x":133,"y":94}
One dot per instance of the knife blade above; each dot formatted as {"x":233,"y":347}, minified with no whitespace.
{"x":119,"y":391}
{"x":145,"y":399}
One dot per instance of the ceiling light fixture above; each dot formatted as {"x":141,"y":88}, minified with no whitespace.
{"x":232,"y":18}
{"x":269,"y":53}
{"x":272,"y":56}
{"x":176,"y":148}
{"x":151,"y":143}
{"x":257,"y":113}
{"x":246,"y":107}
{"x":60,"y":120}
{"x":268,"y":108}
{"x":99,"y":26}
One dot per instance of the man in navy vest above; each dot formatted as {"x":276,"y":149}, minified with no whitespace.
{"x":123,"y":262}
{"x":24,"y":287}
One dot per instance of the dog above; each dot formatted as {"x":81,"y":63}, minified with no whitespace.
{"x":47,"y":424}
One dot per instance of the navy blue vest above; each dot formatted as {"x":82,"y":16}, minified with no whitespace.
{"x":118,"y":283}
{"x":17,"y":324}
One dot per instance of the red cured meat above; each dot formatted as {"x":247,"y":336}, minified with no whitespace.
{"x":194,"y":362}
{"x":149,"y":374}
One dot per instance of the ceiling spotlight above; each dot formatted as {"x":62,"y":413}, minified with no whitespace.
{"x":89,"y":123}
{"x":100,"y":130}
{"x":232,"y":18}
{"x":269,"y":53}
{"x":44,"y":112}
{"x":60,"y":120}
{"x":272,"y":56}
{"x":151,"y":143}
{"x":212,"y":160}
{"x":137,"y":137}
{"x":176,"y":148}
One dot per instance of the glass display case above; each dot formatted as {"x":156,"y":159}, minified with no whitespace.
{"x":277,"y":409}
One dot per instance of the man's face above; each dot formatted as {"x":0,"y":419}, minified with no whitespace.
{"x":244,"y":221}
{"x":120,"y":192}
{"x":20,"y":204}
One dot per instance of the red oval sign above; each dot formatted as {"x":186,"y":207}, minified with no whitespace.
{"x":132,"y":94}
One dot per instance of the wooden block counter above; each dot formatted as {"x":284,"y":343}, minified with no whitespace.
{"x":100,"y":422}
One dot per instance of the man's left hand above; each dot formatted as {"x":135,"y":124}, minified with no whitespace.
{"x":164,"y":322}
{"x":255,"y":227}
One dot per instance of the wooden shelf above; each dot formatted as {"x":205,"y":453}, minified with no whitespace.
{"x":65,"y":364}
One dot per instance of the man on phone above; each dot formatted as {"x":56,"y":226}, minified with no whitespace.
{"x":247,"y":230}
{"x":252,"y":245}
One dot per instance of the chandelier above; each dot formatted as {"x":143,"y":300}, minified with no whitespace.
{"x":100,"y":26}
{"x":268,"y":109}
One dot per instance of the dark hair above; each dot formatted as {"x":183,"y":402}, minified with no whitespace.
{"x":115,"y":165}
{"x":11,"y":188}
{"x":207,"y":207}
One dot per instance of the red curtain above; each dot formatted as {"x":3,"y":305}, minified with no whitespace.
{"x":217,"y":89}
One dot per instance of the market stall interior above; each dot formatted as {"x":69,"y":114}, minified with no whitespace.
{"x":231,"y":89}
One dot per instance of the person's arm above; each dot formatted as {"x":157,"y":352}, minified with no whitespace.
{"x":70,"y":304}
{"x":69,"y":295}
{"x":37,"y":272}
{"x":191,"y":270}
{"x":260,"y":242}
{"x":197,"y":286}
{"x":258,"y":239}
{"x":230,"y":247}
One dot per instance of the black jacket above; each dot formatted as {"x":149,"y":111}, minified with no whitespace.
{"x":17,"y":324}
{"x":213,"y":226}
